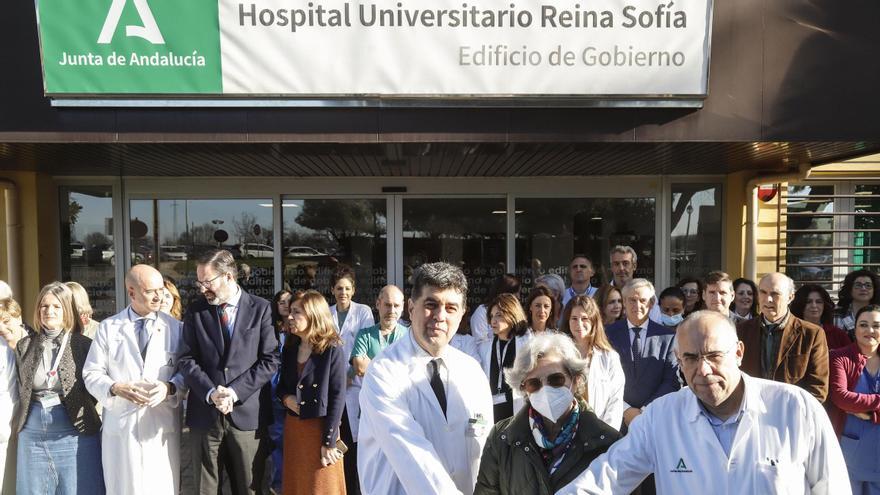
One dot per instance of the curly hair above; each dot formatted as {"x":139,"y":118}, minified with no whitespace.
{"x":844,"y":297}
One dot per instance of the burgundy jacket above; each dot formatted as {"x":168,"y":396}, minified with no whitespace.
{"x":846,"y":366}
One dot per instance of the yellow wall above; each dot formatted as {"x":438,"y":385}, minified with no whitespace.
{"x":735,"y":201}
{"x":39,"y":235}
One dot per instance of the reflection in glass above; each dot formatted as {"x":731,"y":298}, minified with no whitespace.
{"x":549,"y":231}
{"x":468,"y":232}
{"x":87,"y":254}
{"x":809,"y":255}
{"x":868,"y":205}
{"x":172,"y":234}
{"x":696,"y":230}
{"x":319,"y":234}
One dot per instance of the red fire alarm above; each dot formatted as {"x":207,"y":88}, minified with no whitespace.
{"x":767,"y":192}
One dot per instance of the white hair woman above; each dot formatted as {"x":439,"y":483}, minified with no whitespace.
{"x":557,"y":423}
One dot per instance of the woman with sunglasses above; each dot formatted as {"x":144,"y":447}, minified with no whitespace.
{"x":556,"y":427}
{"x":582,"y":322}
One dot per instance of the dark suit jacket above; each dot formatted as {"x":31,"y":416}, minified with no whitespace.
{"x":246,"y":367}
{"x":802,"y":359}
{"x":321,"y":386}
{"x":77,"y":401}
{"x":657,"y":372}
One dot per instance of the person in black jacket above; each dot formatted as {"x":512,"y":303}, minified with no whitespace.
{"x":312,"y":388}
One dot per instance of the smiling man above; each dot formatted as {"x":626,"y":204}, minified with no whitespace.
{"x":782,"y":347}
{"x":426,"y":409}
{"x":726,"y":432}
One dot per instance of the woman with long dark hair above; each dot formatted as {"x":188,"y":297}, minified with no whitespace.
{"x":813,"y":304}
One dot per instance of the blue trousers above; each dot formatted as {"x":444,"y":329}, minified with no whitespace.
{"x":54,"y":458}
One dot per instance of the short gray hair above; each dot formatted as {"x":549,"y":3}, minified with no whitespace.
{"x":221,"y":261}
{"x":635,"y":284}
{"x":621,"y":249}
{"x":553,"y":282}
{"x":549,"y":343}
{"x":440,"y":275}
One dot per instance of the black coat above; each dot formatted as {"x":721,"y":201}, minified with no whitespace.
{"x":321,"y":386}
{"x":77,"y":401}
{"x":511,"y":463}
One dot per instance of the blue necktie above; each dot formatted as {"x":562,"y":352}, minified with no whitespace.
{"x":143,"y":336}
{"x":636,"y":345}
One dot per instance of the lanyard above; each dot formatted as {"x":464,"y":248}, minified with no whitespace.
{"x":499,"y":357}
{"x":52,"y":373}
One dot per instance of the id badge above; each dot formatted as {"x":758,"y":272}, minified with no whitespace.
{"x":50,"y":401}
{"x":499,"y":399}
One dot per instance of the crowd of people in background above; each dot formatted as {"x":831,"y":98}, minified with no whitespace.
{"x":748,"y":386}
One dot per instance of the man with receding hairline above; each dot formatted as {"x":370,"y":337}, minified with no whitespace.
{"x":780,"y":346}
{"x":727,"y":432}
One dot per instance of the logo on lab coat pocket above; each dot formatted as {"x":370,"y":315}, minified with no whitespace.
{"x":681,"y":467}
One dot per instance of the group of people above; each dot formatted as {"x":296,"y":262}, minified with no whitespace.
{"x":714,"y":383}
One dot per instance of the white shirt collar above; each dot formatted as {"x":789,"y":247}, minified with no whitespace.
{"x":643,"y":326}
{"x":133,"y":316}
{"x":423,"y":354}
{"x":236,"y":297}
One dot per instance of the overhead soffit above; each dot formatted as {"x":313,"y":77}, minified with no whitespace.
{"x":421,"y":159}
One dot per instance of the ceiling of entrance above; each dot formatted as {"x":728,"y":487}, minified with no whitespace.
{"x":421,"y":159}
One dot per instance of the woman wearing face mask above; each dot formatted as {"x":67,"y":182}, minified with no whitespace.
{"x":672,"y":301}
{"x":605,"y":374}
{"x":510,"y":329}
{"x":860,"y":288}
{"x":543,"y":310}
{"x":551,"y":441}
{"x":745,"y":300}
{"x":610,"y":304}
{"x":854,"y":390}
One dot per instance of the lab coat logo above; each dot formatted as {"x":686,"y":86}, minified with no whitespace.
{"x":149,"y":31}
{"x":681,"y":467}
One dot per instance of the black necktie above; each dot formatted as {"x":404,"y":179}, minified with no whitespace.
{"x":637,"y":345}
{"x":437,"y":384}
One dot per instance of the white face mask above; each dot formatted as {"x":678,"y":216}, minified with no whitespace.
{"x":551,"y":402}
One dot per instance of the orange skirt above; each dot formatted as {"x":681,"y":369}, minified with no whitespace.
{"x":303,"y":473}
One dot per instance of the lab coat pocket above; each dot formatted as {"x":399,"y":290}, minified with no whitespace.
{"x":776,"y":477}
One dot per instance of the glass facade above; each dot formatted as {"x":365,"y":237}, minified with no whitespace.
{"x":87,"y":254}
{"x":171,"y":235}
{"x":321,"y":234}
{"x":695,"y":238}
{"x":549,"y":231}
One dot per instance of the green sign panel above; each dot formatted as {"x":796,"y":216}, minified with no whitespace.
{"x":130,"y":46}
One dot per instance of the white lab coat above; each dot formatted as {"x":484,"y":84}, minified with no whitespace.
{"x":784,"y":445}
{"x":359,"y":316}
{"x":605,"y":384}
{"x":486,"y":357}
{"x":480,"y":328}
{"x":140,"y":446}
{"x":466,"y":344}
{"x":8,"y":405}
{"x":406,"y":445}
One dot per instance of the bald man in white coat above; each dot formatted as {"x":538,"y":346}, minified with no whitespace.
{"x":134,"y":376}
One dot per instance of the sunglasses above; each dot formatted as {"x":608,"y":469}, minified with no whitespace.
{"x":532,"y":385}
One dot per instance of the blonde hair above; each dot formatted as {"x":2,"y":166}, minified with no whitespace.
{"x":80,"y":299}
{"x":9,"y":308}
{"x":176,"y":306}
{"x":70,"y":315}
{"x":598,"y":338}
{"x":512,"y":311}
{"x":322,"y":332}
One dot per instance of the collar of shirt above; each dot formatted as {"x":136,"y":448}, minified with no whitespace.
{"x":779,"y":323}
{"x":751,"y":404}
{"x":151,"y":317}
{"x":236,"y":297}
{"x":572,"y":293}
{"x":422,"y":358}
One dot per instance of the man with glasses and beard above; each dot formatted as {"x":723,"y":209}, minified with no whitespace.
{"x":231,"y":357}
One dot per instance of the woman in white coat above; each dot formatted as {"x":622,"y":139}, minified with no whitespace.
{"x":510,"y":332}
{"x":582,"y":321}
{"x":349,"y":317}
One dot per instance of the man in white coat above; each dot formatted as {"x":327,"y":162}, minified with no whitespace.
{"x":132,"y":370}
{"x":426,"y":407}
{"x":726,"y":432}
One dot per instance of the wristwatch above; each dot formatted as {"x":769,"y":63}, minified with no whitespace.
{"x":172,"y":388}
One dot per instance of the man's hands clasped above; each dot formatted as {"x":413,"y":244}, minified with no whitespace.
{"x":222,"y":399}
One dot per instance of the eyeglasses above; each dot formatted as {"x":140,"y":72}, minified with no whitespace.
{"x":207,"y":283}
{"x":532,"y":385}
{"x":713,"y":358}
{"x":860,"y":285}
{"x":155,"y":292}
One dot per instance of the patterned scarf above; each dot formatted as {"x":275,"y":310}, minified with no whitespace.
{"x":552,"y":451}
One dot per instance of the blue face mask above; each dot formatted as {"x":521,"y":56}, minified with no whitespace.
{"x":671,"y":321}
